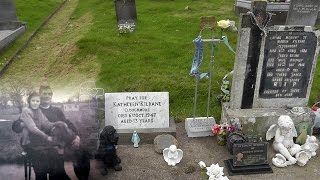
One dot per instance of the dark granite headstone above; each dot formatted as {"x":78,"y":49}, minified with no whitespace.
{"x":125,"y":10}
{"x":303,"y":12}
{"x":7,"y":11}
{"x":248,"y":158}
{"x":246,"y":154}
{"x":287,"y":64}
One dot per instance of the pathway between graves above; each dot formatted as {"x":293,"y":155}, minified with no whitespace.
{"x":51,"y":52}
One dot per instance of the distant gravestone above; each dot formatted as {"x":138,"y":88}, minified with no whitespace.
{"x":7,"y":11}
{"x":303,"y":12}
{"x":286,"y":67}
{"x":125,"y":10}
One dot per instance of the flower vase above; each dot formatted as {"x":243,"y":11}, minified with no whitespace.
{"x":222,"y":139}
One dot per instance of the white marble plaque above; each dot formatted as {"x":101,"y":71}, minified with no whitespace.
{"x":199,"y":126}
{"x":136,"y":110}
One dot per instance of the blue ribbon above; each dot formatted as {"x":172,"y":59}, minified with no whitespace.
{"x":197,"y":59}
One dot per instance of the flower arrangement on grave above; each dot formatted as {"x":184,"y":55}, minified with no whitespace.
{"x":126,"y":27}
{"x":222,"y":131}
{"x":214,"y":172}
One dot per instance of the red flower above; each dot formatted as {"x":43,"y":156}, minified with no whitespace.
{"x":216,"y":129}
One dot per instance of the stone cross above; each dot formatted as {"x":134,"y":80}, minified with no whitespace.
{"x":248,"y":52}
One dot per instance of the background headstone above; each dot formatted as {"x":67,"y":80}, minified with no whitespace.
{"x":125,"y":10}
{"x":7,"y":11}
{"x":303,"y":12}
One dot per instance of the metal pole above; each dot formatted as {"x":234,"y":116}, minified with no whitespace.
{"x":195,"y":97}
{"x":210,"y":74}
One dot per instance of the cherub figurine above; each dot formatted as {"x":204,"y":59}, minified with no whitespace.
{"x":284,"y":131}
{"x":310,"y":146}
{"x":135,"y":139}
{"x":172,"y":155}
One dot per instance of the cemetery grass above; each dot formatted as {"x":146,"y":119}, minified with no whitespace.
{"x":32,"y":13}
{"x":156,"y":57}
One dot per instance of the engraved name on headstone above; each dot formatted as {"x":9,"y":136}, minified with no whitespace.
{"x":137,"y":110}
{"x":287,"y":64}
{"x":303,"y":12}
{"x":245,"y":154}
{"x":286,"y":67}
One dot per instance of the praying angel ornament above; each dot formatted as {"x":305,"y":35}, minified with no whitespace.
{"x":172,"y":155}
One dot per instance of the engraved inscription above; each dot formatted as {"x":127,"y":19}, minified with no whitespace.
{"x":288,"y":59}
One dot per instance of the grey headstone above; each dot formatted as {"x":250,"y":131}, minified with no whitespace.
{"x":303,"y":12}
{"x":7,"y":11}
{"x":125,"y":10}
{"x":164,"y":141}
{"x":245,"y":154}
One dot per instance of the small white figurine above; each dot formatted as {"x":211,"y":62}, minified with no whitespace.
{"x":311,"y":146}
{"x":302,"y":158}
{"x":284,"y":131}
{"x":135,"y":139}
{"x":172,"y":155}
{"x":215,"y":172}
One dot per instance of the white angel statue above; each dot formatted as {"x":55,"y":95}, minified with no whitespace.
{"x":172,"y":155}
{"x":283,"y":132}
{"x":311,"y":146}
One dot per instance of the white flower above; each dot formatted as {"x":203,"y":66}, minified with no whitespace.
{"x":202,"y":164}
{"x":215,"y":170}
{"x":224,"y":23}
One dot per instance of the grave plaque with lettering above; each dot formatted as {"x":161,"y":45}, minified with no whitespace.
{"x":246,"y":154}
{"x":199,"y":126}
{"x":303,"y":12}
{"x":286,"y":67}
{"x":137,"y":110}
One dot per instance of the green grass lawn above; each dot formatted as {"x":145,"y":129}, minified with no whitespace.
{"x":158,"y":55}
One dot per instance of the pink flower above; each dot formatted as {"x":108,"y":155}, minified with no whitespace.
{"x":216,"y":129}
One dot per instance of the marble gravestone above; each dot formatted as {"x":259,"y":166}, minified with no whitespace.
{"x":303,"y":12}
{"x":144,"y":112}
{"x":273,"y":74}
{"x":10,"y":27}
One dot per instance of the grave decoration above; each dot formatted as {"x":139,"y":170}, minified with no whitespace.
{"x":214,"y":172}
{"x":290,"y":153}
{"x":135,"y":139}
{"x":250,"y":155}
{"x":201,"y":126}
{"x":222,"y":131}
{"x":172,"y":155}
